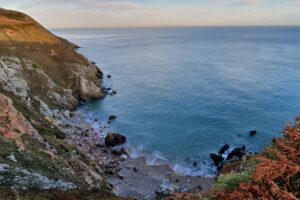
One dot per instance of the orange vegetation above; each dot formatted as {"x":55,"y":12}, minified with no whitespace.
{"x":278,"y":174}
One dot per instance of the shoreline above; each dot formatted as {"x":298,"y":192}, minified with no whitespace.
{"x":124,"y":173}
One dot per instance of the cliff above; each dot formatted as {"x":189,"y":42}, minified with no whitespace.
{"x":42,"y":77}
{"x":40,"y":67}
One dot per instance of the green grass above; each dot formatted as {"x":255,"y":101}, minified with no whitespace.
{"x":7,"y":146}
{"x":44,"y":129}
{"x":232,"y":180}
{"x":34,"y":66}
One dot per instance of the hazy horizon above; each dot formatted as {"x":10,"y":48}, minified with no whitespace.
{"x":158,"y":13}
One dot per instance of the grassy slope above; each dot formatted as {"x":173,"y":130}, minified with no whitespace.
{"x":36,"y":159}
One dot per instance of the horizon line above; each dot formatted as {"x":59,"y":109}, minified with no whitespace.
{"x":196,"y":26}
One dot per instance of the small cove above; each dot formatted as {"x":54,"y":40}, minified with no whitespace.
{"x":184,"y":92}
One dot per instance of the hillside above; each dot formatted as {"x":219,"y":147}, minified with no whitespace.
{"x":43,"y":64}
{"x":43,"y":78}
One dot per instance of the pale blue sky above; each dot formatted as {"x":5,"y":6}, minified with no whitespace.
{"x":136,"y":13}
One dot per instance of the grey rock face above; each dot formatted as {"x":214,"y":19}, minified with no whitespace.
{"x":23,"y":179}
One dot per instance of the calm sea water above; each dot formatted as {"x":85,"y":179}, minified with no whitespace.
{"x":185,"y":92}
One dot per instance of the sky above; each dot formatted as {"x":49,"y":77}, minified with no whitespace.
{"x":152,"y":13}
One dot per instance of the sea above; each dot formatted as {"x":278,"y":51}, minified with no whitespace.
{"x":184,"y":92}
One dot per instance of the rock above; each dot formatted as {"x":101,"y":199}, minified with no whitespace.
{"x":13,"y":124}
{"x":135,"y":169}
{"x":113,"y":93}
{"x":120,"y":177}
{"x":223,"y":149}
{"x":195,"y":164}
{"x":237,"y":152}
{"x":217,"y":159}
{"x":252,"y":133}
{"x":126,"y":151}
{"x":114,"y":139}
{"x":117,"y":152}
{"x":112,"y":118}
{"x":88,"y":90}
{"x":124,"y":157}
{"x":67,"y":113}
{"x":12,"y":158}
{"x":166,"y":188}
{"x":108,"y":76}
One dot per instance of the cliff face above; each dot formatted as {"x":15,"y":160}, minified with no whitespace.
{"x":40,"y":67}
{"x":41,"y":78}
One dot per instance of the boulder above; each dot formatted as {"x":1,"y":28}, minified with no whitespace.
{"x":217,"y":159}
{"x":223,"y":149}
{"x":114,"y":139}
{"x":117,"y":152}
{"x":237,"y":152}
{"x":252,"y":133}
{"x":111,"y":118}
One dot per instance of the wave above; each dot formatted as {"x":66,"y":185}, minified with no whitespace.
{"x":182,"y":167}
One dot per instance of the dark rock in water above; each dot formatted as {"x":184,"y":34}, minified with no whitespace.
{"x":237,"y":152}
{"x":113,"y":92}
{"x":252,"y":133}
{"x":217,"y":159}
{"x":195,"y":164}
{"x":114,"y":139}
{"x":108,"y":76}
{"x":111,"y":118}
{"x":135,"y":169}
{"x":223,"y":149}
{"x":99,"y":73}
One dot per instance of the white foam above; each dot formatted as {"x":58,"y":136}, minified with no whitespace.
{"x":204,"y":169}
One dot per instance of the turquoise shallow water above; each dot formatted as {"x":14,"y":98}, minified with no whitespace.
{"x":184,"y":92}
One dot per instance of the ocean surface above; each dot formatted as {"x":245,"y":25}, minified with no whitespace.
{"x":184,"y":92}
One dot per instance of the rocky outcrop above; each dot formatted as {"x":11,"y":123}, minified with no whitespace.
{"x":23,"y":179}
{"x":36,"y":63}
{"x":13,"y":124}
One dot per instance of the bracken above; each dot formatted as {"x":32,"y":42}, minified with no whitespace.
{"x":277,"y":176}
